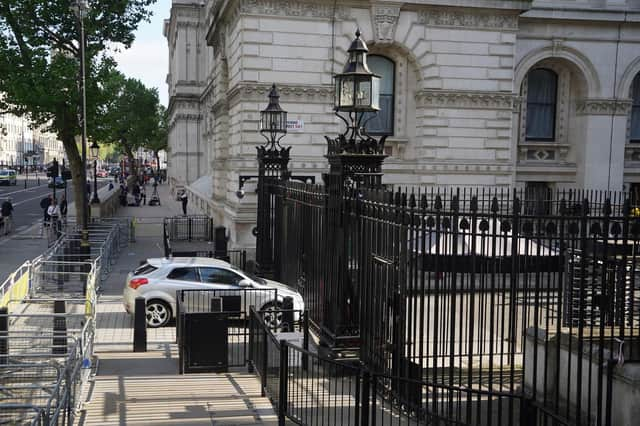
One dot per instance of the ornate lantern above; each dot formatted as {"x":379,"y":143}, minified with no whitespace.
{"x":273,"y":120}
{"x":357,"y":88}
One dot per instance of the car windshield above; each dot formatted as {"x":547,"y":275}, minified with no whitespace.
{"x":4,"y":173}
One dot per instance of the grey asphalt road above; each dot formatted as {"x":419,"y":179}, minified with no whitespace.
{"x":26,"y":202}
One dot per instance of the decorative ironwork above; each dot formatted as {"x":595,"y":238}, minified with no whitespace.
{"x":273,"y":161}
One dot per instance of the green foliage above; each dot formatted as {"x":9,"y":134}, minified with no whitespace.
{"x":39,"y":53}
{"x":39,"y":64}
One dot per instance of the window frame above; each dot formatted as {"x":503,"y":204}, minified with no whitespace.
{"x":555,"y":106}
{"x":393,"y":97}
{"x":195,"y":268}
{"x":635,"y":107}
{"x":202,"y":279}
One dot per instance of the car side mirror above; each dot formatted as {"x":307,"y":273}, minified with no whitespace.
{"x":245,"y":283}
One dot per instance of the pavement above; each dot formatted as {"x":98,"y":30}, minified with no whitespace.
{"x":145,"y":388}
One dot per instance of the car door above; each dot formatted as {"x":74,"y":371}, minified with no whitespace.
{"x":182,"y":278}
{"x":226,"y":284}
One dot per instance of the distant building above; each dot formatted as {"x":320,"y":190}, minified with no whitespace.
{"x":536,"y":94}
{"x":18,"y":141}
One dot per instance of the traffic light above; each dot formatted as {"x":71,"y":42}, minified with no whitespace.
{"x":53,"y":170}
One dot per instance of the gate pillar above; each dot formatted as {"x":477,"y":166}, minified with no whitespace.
{"x":355,"y":161}
{"x":273,"y":163}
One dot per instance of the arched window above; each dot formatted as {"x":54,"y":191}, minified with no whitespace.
{"x":542,"y":87}
{"x":635,"y":110}
{"x":382,"y":123}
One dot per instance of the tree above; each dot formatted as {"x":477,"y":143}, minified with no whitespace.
{"x":39,"y":65}
{"x":159,"y":140}
{"x":132,"y":117}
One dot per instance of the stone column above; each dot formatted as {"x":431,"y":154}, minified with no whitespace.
{"x":601,"y":156}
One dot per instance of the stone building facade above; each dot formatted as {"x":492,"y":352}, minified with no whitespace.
{"x":19,"y":140}
{"x":540,"y":94}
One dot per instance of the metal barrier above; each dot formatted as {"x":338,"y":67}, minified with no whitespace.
{"x":48,"y":319}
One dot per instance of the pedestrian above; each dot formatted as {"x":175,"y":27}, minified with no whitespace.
{"x":143,"y":194}
{"x":7,"y":212}
{"x":88,"y":187}
{"x":44,"y":205}
{"x":64,"y":207}
{"x":54,"y":215}
{"x":184,"y":200}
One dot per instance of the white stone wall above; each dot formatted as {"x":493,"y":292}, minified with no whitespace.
{"x":459,"y":93}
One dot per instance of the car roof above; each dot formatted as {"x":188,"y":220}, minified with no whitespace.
{"x":187,"y":261}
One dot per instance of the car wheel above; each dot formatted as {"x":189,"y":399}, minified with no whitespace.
{"x":158,"y":313}
{"x":272,"y":315}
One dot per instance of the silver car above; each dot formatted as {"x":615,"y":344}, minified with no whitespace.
{"x":157,"y":280}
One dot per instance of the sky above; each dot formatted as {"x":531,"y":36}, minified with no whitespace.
{"x":147,"y":58}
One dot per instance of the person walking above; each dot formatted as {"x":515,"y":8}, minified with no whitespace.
{"x":7,"y":212}
{"x":44,"y":205}
{"x":64,"y":207}
{"x":54,"y":215}
{"x":184,"y":199}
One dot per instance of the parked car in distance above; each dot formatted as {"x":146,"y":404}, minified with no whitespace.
{"x":115,"y":171}
{"x":59,"y":182}
{"x":102,"y":174}
{"x":157,"y":280}
{"x":8,"y":177}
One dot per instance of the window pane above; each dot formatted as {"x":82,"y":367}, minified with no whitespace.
{"x":382,"y":122}
{"x":384,"y":68}
{"x":541,"y":104}
{"x":635,"y":111}
{"x":184,"y":274}
{"x":219,"y":276}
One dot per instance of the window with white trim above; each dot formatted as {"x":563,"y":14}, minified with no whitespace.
{"x":635,"y":110}
{"x":382,"y":122}
{"x":542,"y":89}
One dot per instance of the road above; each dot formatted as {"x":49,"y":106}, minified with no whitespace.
{"x":26,"y":202}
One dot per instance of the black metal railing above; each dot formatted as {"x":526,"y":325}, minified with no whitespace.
{"x":197,"y":236}
{"x":462,"y":288}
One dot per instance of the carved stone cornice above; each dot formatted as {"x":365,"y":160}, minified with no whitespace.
{"x":448,"y":17}
{"x":465,"y":99}
{"x":385,"y":19}
{"x":291,"y":93}
{"x":603,"y":106}
{"x":293,"y":8}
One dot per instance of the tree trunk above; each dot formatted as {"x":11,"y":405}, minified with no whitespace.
{"x":156,"y":154}
{"x":132,"y":165}
{"x":76,"y":167}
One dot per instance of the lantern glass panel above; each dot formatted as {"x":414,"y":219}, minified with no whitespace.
{"x":94,"y":151}
{"x":346,"y":92}
{"x":375,"y":92}
{"x":363,"y":95}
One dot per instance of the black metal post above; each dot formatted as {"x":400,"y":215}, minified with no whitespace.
{"x":284,"y":374}
{"x":95,"y":199}
{"x":4,"y":335}
{"x":273,"y":163}
{"x":265,"y":361}
{"x":26,"y":173}
{"x":140,"y":326}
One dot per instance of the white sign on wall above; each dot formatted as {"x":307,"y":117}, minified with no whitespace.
{"x":295,"y":125}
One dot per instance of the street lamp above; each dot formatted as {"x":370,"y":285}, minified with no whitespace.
{"x":80,"y":8}
{"x":357,"y":92}
{"x":273,"y":121}
{"x":95,"y":151}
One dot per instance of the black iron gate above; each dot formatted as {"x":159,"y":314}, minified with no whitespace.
{"x":467,"y":291}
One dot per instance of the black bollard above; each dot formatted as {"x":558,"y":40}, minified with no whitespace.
{"x":4,"y":336}
{"x":287,"y":315}
{"x":220,"y":243}
{"x":59,"y":344}
{"x":140,"y":326}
